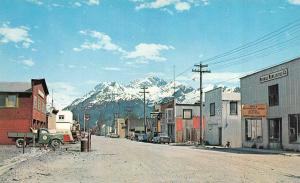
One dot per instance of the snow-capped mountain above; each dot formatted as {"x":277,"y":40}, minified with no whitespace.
{"x":111,"y":97}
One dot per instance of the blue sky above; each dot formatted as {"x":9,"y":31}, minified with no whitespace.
{"x":76,"y":44}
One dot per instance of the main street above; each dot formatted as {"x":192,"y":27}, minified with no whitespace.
{"x":121,"y":160}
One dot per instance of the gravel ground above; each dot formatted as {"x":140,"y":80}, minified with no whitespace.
{"x":9,"y":151}
{"x":120,"y":160}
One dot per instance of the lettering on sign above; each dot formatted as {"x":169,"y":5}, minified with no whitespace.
{"x":256,"y":110}
{"x":41,"y":93}
{"x":274,"y":75}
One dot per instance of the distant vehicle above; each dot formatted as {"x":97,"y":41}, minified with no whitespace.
{"x":113,"y":135}
{"x":142,"y":137}
{"x":42,"y":137}
{"x":161,"y":138}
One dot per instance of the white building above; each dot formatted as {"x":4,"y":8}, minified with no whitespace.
{"x":64,"y":121}
{"x":271,"y":107}
{"x":222,"y":113}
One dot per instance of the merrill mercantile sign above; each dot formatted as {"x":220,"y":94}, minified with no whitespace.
{"x":255,"y":110}
{"x":274,"y":75}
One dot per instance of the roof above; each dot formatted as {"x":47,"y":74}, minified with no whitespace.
{"x":16,"y":87}
{"x":22,"y":87}
{"x":286,"y":62}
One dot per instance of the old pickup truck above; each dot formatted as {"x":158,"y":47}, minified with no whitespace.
{"x":42,"y":137}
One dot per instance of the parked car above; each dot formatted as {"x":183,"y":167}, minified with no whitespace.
{"x":161,"y":138}
{"x":142,"y":137}
{"x":113,"y":135}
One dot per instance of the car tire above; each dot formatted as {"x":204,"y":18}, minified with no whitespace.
{"x":55,"y":144}
{"x":19,"y":143}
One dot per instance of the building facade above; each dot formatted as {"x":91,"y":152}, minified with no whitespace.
{"x":22,"y":107}
{"x":64,"y":121}
{"x":167,"y":123}
{"x":223,"y":117}
{"x":271,"y":107}
{"x":188,"y":122}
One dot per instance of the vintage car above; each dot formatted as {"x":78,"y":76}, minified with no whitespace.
{"x":161,"y":138}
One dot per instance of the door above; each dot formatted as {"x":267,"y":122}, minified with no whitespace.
{"x":275,"y":133}
{"x":220,"y":136}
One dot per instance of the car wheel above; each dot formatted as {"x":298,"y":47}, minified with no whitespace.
{"x":19,"y":143}
{"x":55,"y":144}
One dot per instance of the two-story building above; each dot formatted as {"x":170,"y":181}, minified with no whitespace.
{"x":271,"y":107}
{"x":22,"y":106}
{"x":223,"y":117}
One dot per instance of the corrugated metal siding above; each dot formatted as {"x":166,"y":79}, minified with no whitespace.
{"x":254,"y":92}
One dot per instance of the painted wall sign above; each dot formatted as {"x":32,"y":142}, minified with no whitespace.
{"x":41,"y":93}
{"x":256,"y":110}
{"x":274,"y":75}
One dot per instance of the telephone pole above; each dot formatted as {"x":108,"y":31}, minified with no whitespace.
{"x":144,"y":88}
{"x":200,"y":69}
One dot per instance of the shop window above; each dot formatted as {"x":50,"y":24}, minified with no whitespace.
{"x":8,"y":101}
{"x":212,"y":109}
{"x":253,"y":130}
{"x":187,"y":114}
{"x":275,"y":130}
{"x":294,"y":128}
{"x":61,"y":117}
{"x":233,"y":108}
{"x":273,"y":95}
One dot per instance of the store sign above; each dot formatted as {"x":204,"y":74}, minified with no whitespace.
{"x":41,"y":93}
{"x":274,"y":75}
{"x":257,"y":110}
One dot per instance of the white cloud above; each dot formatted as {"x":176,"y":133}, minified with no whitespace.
{"x":38,"y":2}
{"x":296,"y":2}
{"x":179,"y":5}
{"x":28,"y":62}
{"x":145,"y":52}
{"x":229,"y":78}
{"x":112,"y":68}
{"x":182,"y":6}
{"x":78,"y":4}
{"x":93,"y":2}
{"x":71,"y":66}
{"x":15,"y":35}
{"x":100,"y":41}
{"x":64,"y":93}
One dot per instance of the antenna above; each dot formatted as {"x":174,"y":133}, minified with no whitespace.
{"x":52,"y":99}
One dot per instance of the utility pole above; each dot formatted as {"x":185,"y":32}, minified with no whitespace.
{"x":199,"y":69}
{"x":144,"y":88}
{"x":174,"y":77}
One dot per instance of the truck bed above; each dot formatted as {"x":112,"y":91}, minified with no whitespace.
{"x":20,"y":135}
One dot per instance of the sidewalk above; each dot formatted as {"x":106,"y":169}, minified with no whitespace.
{"x":249,"y":150}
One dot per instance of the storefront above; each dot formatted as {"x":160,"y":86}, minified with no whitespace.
{"x":271,"y":107}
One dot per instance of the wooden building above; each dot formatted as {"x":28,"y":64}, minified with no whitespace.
{"x":22,"y":106}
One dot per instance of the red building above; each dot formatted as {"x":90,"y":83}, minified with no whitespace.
{"x":22,"y":106}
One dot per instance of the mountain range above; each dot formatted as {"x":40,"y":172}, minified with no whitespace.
{"x":109,"y":98}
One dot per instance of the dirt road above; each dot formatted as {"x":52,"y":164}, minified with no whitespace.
{"x":120,"y":160}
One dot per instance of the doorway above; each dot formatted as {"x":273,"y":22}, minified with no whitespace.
{"x":275,"y":133}
{"x":220,"y":136}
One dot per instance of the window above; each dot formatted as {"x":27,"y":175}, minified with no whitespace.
{"x":233,"y":108}
{"x":253,"y":130}
{"x":212,"y":109}
{"x":61,"y":117}
{"x":39,"y":103}
{"x":8,"y":101}
{"x":34,"y":102}
{"x":187,"y":114}
{"x":2,"y":101}
{"x":273,"y":95}
{"x":169,"y":115}
{"x":294,"y":128}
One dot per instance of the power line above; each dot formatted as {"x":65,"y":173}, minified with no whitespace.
{"x":266,"y":37}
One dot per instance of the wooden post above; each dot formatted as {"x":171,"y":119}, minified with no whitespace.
{"x":24,"y":141}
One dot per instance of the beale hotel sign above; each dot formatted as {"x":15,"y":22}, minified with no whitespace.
{"x":274,"y":75}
